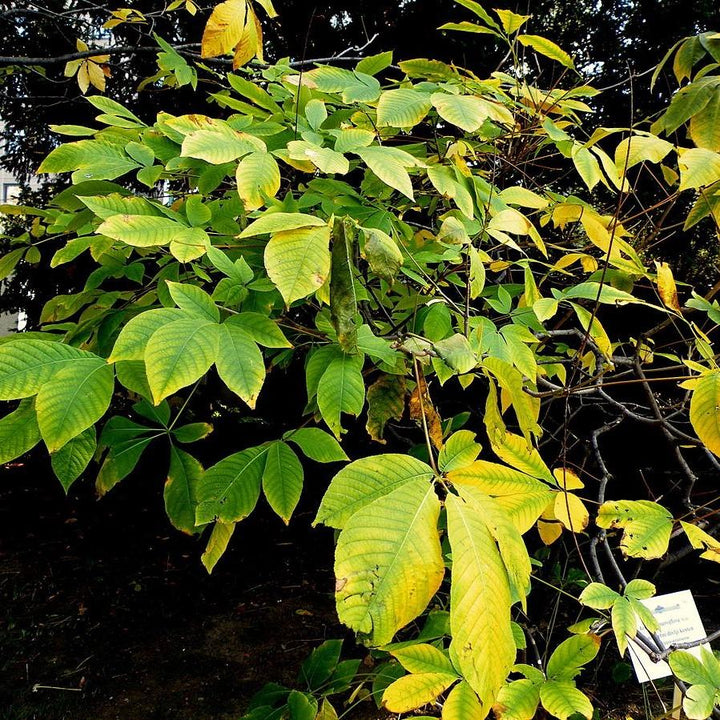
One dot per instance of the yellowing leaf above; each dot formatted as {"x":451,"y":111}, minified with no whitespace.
{"x":701,"y":540}
{"x":547,"y":48}
{"x":462,"y":704}
{"x":414,"y":691}
{"x":567,"y":479}
{"x":402,"y":108}
{"x":646,"y":526}
{"x":224,"y":29}
{"x":705,"y":410}
{"x":549,"y":527}
{"x":666,"y":286}
{"x":258,"y":177}
{"x":570,"y":510}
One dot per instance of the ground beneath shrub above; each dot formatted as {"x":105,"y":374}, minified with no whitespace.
{"x":107,"y":613}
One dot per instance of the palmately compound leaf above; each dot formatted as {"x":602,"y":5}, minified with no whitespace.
{"x":524,"y":498}
{"x":229,"y":490}
{"x":571,"y":655}
{"x":462,"y":704}
{"x":180,"y":493}
{"x":19,"y":432}
{"x":646,"y":526}
{"x":239,"y":362}
{"x":598,"y":596}
{"x":298,"y":261}
{"x":364,"y":481}
{"x":72,"y":458}
{"x":317,"y":445}
{"x":341,"y":390}
{"x":563,"y":699}
{"x":414,"y":691}
{"x":482,"y":648}
{"x":704,"y":413}
{"x":282,"y":479}
{"x":178,"y":354}
{"x":76,"y":398}
{"x":518,"y":700}
{"x":26,"y":364}
{"x":388,"y":562}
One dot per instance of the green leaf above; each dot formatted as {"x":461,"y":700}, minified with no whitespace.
{"x":646,"y":526}
{"x":239,"y":362}
{"x":414,"y":691}
{"x":184,"y":476}
{"x":194,"y":301}
{"x":298,"y":261}
{"x":374,"y":64}
{"x":261,"y":328}
{"x":689,"y":668}
{"x":640,"y":148}
{"x":317,"y":445}
{"x":699,"y":701}
{"x":9,"y":261}
{"x":462,"y":704}
{"x":598,"y":596}
{"x":341,"y":390}
{"x":639,"y":589}
{"x":382,"y":253}
{"x":74,"y":399}
{"x":27,"y":364}
{"x":277,"y":221}
{"x":563,"y":699}
{"x":317,"y":669}
{"x":229,"y":490}
{"x":389,"y":167}
{"x":402,"y":108}
{"x":705,"y":125}
{"x":178,"y":354}
{"x":147,"y":230}
{"x":217,"y":544}
{"x":324,"y":159}
{"x":134,"y":337}
{"x":19,"y":432}
{"x":282,"y":480}
{"x":704,"y":413}
{"x":467,"y":112}
{"x":302,"y":706}
{"x":366,"y":480}
{"x":624,"y":623}
{"x":122,"y":456}
{"x":482,"y":647}
{"x":517,"y":700}
{"x":72,"y":458}
{"x":568,"y":659}
{"x":547,"y":48}
{"x":423,"y":658}
{"x":258,"y":178}
{"x":220,"y":144}
{"x":460,"y":450}
{"x":343,"y":298}
{"x":388,"y":561}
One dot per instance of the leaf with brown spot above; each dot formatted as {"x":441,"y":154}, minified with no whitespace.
{"x":666,"y":286}
{"x":386,"y":401}
{"x":423,"y":411}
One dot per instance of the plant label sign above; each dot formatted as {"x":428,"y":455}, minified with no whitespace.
{"x":679,"y":621}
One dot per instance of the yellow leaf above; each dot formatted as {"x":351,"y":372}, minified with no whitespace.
{"x":705,"y":410}
{"x":549,"y":526}
{"x":666,"y":286}
{"x":251,"y":42}
{"x":571,"y":512}
{"x":81,"y":46}
{"x":701,"y":540}
{"x":567,"y":479}
{"x":83,"y":77}
{"x":423,"y":411}
{"x":96,"y":76}
{"x":224,"y":29}
{"x":414,"y":691}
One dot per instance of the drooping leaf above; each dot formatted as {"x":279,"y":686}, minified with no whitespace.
{"x":72,"y":458}
{"x":282,"y":479}
{"x":19,"y":432}
{"x":343,"y":296}
{"x":704,"y":413}
{"x":239,"y":362}
{"x":184,"y":476}
{"x":388,"y":561}
{"x":229,"y":490}
{"x":482,"y":646}
{"x":341,"y":390}
{"x":74,"y":399}
{"x":217,"y":544}
{"x":386,"y":401}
